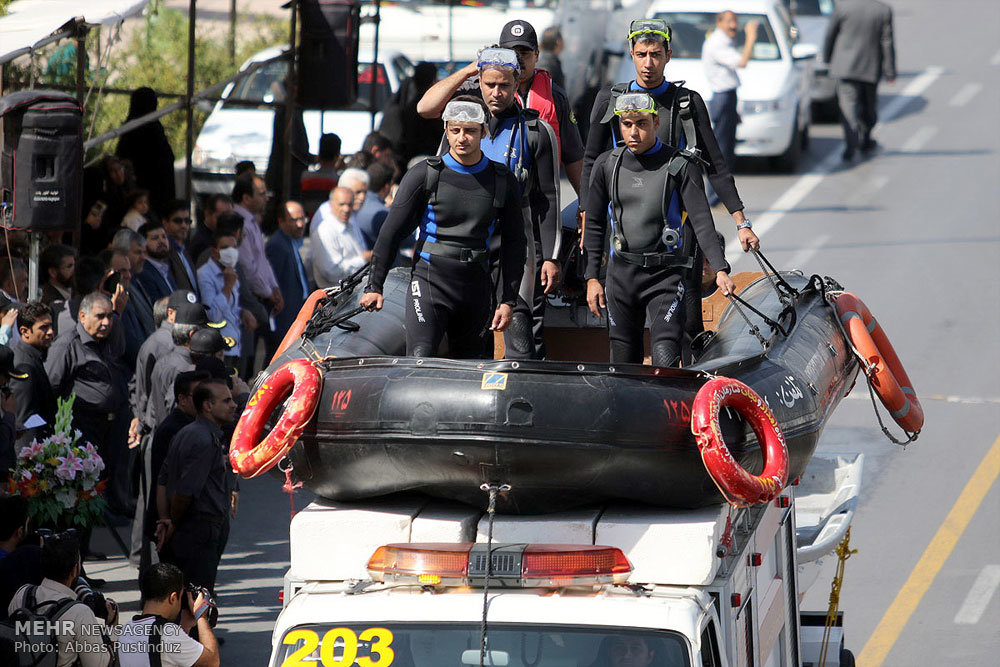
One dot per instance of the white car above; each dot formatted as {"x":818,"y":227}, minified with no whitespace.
{"x":812,"y":17}
{"x":774,"y":95}
{"x":241,"y":123}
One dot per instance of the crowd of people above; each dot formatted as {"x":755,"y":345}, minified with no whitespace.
{"x":155,"y":320}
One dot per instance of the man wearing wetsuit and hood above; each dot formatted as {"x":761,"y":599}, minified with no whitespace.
{"x":527,"y":145}
{"x":659,"y":216}
{"x":457,"y":201}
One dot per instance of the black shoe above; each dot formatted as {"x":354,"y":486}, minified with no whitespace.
{"x":95,"y":555}
{"x":869,"y":147}
{"x":847,"y":155}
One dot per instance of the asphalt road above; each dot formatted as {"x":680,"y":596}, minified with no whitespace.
{"x":912,"y":231}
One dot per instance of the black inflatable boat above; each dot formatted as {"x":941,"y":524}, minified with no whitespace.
{"x":560,"y":433}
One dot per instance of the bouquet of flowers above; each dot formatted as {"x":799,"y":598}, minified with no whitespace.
{"x":59,"y":476}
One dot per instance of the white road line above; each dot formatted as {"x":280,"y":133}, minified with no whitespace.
{"x":801,"y":188}
{"x":918,"y":139}
{"x":860,"y":393}
{"x":965,"y":94}
{"x":979,"y":596}
{"x":995,"y":60}
{"x":800,"y":258}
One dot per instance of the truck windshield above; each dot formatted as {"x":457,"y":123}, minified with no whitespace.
{"x":433,"y":645}
{"x":691,"y":28}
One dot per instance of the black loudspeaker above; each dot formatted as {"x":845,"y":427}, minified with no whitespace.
{"x":328,"y":53}
{"x":41,"y":169}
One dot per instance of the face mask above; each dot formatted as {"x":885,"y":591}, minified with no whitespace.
{"x":228,"y":257}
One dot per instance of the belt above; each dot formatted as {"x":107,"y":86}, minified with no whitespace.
{"x":464,"y":255}
{"x":656,"y":260}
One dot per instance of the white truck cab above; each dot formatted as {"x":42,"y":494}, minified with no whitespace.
{"x":401,"y":582}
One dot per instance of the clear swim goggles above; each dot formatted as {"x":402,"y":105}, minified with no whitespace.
{"x":641,"y":27}
{"x":634,"y":103}
{"x":496,"y":57}
{"x":464,"y":112}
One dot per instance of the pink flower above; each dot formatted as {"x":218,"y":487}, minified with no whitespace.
{"x":32,"y":450}
{"x":92,"y":461}
{"x":68,"y":466}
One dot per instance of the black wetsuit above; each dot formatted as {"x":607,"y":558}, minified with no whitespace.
{"x":451,"y":291}
{"x":634,"y":292}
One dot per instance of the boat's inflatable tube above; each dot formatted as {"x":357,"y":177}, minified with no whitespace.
{"x":890,"y":381}
{"x":738,"y":486}
{"x":303,"y":381}
{"x":299,"y":325}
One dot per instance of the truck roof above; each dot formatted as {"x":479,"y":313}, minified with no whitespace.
{"x":333,"y":541}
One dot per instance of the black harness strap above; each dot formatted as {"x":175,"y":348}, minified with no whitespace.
{"x":648,"y":260}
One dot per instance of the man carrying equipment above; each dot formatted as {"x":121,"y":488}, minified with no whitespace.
{"x":659,"y":215}
{"x":457,"y":201}
{"x":685,"y":121}
{"x":527,"y":145}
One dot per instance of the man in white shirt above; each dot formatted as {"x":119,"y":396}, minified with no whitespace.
{"x":162,"y":586}
{"x":720,"y":59}
{"x":85,"y":643}
{"x":337,"y":249}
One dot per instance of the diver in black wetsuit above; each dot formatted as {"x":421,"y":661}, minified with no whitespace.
{"x":659,"y":215}
{"x":456,"y":201}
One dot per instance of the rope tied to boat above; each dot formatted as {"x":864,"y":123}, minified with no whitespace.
{"x":326,"y":316}
{"x":289,"y":487}
{"x":726,"y":540}
{"x":784,"y":291}
{"x":754,"y":329}
{"x":491,"y":509}
{"x":843,"y":551}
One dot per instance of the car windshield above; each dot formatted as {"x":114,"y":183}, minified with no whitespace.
{"x":512,"y":4}
{"x":689,"y":30}
{"x":810,"y":7}
{"x":258,"y":88}
{"x":430,"y":645}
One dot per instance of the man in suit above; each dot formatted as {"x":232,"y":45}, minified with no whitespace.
{"x":177,"y":224}
{"x":284,"y":252}
{"x":859,"y":47}
{"x":157,"y":276}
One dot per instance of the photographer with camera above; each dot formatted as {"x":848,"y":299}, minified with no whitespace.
{"x":80,"y":617}
{"x":154,"y":638}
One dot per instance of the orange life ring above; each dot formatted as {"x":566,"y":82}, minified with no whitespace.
{"x":888,"y":378}
{"x":303,"y":381}
{"x":738,"y":486}
{"x":299,"y":325}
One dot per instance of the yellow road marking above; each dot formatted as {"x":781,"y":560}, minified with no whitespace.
{"x":896,"y":616}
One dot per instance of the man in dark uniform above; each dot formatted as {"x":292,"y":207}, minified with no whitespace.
{"x":8,"y":409}
{"x":659,"y":213}
{"x":84,"y":361}
{"x":194,"y":496}
{"x":527,"y":145}
{"x":456,"y":201}
{"x":182,"y":415}
{"x":34,"y":393}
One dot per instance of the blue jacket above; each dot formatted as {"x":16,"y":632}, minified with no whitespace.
{"x":286,"y":261}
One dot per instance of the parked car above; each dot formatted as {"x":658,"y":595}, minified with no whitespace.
{"x":241,"y":123}
{"x":812,"y":17}
{"x":774,"y":95}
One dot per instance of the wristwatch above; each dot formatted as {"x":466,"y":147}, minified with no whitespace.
{"x":745,"y":224}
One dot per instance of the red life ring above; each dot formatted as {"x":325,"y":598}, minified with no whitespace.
{"x":301,"y":379}
{"x":738,"y":486}
{"x":888,"y":378}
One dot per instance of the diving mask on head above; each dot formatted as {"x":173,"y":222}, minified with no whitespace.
{"x":464,"y":112}
{"x":641,"y":27}
{"x":634,"y":103}
{"x":496,"y":57}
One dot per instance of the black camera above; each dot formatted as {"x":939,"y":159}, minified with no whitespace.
{"x":95,"y":601}
{"x":210,"y":607}
{"x":42,"y":535}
